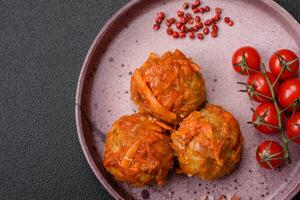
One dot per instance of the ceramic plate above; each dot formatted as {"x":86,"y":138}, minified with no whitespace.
{"x":125,"y":42}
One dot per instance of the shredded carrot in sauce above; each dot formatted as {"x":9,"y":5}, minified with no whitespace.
{"x":137,"y":150}
{"x":154,"y":104}
{"x":168,"y":87}
{"x":125,"y":163}
{"x":208,"y":143}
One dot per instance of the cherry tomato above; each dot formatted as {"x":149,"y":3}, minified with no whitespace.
{"x":265,"y":118}
{"x":269,"y":154}
{"x":257,"y":83}
{"x":289,"y":94}
{"x":293,"y":127}
{"x":284,"y":59}
{"x":246,"y":59}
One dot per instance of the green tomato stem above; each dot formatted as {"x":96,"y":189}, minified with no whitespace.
{"x":278,"y":77}
{"x":280,"y":126}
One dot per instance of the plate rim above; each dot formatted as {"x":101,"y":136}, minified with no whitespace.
{"x":78,"y":117}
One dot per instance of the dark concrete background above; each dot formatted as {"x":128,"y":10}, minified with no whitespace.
{"x":42,"y":47}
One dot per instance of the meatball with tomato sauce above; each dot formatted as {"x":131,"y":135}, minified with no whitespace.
{"x":169,"y":87}
{"x":208,"y":143}
{"x":137,"y":151}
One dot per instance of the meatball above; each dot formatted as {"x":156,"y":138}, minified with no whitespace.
{"x":137,"y":151}
{"x":208,"y":143}
{"x":169,"y":87}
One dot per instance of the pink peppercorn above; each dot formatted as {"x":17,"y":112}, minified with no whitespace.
{"x":197,"y":2}
{"x":161,"y":15}
{"x":191,"y":21}
{"x":207,"y":22}
{"x":178,"y":25}
{"x":158,"y":20}
{"x":186,"y":5}
{"x":218,"y":11}
{"x":217,"y":17}
{"x":207,"y":8}
{"x":156,"y":27}
{"x":182,"y":34}
{"x":227,"y":20}
{"x":214,"y":34}
{"x":175,"y":34}
{"x":206,"y":30}
{"x":197,"y":19}
{"x":180,"y":13}
{"x":215,"y":27}
{"x":192,"y":35}
{"x":196,"y":10}
{"x":183,"y":20}
{"x":199,"y":25}
{"x":195,"y":28}
{"x":200,"y":36}
{"x":188,"y":15}
{"x":169,"y":31}
{"x":230,"y":23}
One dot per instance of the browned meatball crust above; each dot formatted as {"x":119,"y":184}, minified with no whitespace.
{"x":137,"y":151}
{"x":168,"y":87}
{"x":208,"y":143}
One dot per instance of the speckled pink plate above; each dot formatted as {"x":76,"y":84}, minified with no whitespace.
{"x":125,"y":42}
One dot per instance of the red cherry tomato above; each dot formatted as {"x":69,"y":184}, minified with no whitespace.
{"x":246,"y":59}
{"x":269,"y":155}
{"x":265,"y":118}
{"x":289,"y":94}
{"x":293,"y":127}
{"x":258,"y":87}
{"x":284,"y":59}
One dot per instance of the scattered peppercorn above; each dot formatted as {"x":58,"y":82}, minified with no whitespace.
{"x":183,"y":28}
{"x":195,"y":28}
{"x":214,"y":34}
{"x":199,"y":25}
{"x":230,"y":23}
{"x":186,"y":5}
{"x":218,"y":11}
{"x":207,"y":8}
{"x":158,"y":20}
{"x":180,"y":13}
{"x":156,"y":27}
{"x":183,"y":20}
{"x":201,"y":10}
{"x":206,"y":30}
{"x":197,"y":2}
{"x":168,"y":24}
{"x":192,"y":35}
{"x":161,"y":15}
{"x":215,"y":27}
{"x":191,"y":23}
{"x":182,"y":34}
{"x":207,"y":22}
{"x":217,"y":18}
{"x":196,"y":10}
{"x":175,"y":34}
{"x":178,"y":25}
{"x":197,"y":19}
{"x":169,"y":31}
{"x":227,"y":20}
{"x":200,"y":36}
{"x":188,"y":16}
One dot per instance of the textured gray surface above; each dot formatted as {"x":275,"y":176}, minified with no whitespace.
{"x":42,"y":47}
